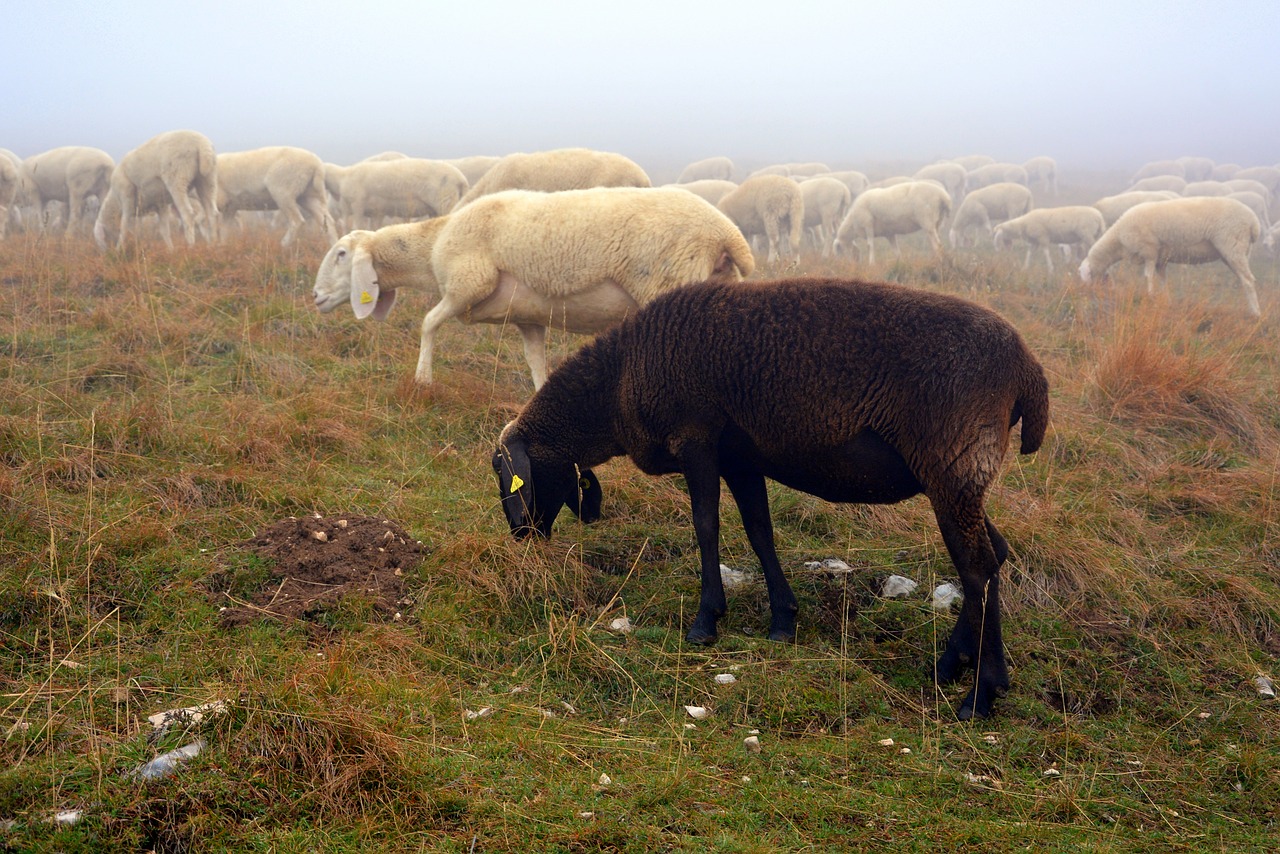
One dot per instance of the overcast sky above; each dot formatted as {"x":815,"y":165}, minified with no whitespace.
{"x":1097,"y":85}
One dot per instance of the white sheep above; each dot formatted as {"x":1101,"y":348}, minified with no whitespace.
{"x":1247,"y":185}
{"x":1224,"y":172}
{"x":1205,"y":188}
{"x":711,"y":189}
{"x":1043,"y":170}
{"x":988,"y":205}
{"x":826,"y":201}
{"x":474,"y":167}
{"x":997,"y":173}
{"x":1172,"y":183}
{"x":1268,"y":176}
{"x":807,"y":169}
{"x":384,"y":156}
{"x":854,"y":180}
{"x":1182,"y":231}
{"x":766,"y":205}
{"x":1070,"y":225}
{"x":1111,"y":207}
{"x":973,"y":161}
{"x":710,"y":168}
{"x":1159,"y":167}
{"x":70,"y":175}
{"x":1256,"y":203}
{"x":893,"y":211}
{"x":409,"y":188}
{"x":781,"y":169}
{"x":8,"y":189}
{"x":952,"y":176}
{"x":578,"y":260}
{"x":559,"y":169}
{"x":183,"y":161}
{"x":290,"y":180}
{"x":151,"y":199}
{"x":1272,"y":239}
{"x":1196,"y":168}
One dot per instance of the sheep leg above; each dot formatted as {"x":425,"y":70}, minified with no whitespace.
{"x":439,"y":313}
{"x":977,"y":550}
{"x":752,"y":497}
{"x":771,"y":231}
{"x":535,"y":351}
{"x":178,"y":192}
{"x":289,"y":207}
{"x":698,"y":465}
{"x":1240,"y":266}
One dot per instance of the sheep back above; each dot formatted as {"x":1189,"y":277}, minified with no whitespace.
{"x":556,"y":170}
{"x":1192,"y":230}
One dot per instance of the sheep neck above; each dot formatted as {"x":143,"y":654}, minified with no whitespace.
{"x":402,"y":254}
{"x":573,"y":416}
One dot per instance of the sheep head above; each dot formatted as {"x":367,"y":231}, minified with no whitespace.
{"x":347,"y":273}
{"x":532,"y":490}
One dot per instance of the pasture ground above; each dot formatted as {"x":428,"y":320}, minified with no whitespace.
{"x":162,"y":412}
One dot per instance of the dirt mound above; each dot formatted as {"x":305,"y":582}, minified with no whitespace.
{"x":317,"y":561}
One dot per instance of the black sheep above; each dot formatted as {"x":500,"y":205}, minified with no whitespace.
{"x":850,"y":391}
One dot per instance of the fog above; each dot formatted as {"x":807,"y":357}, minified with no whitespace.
{"x":1097,"y":85}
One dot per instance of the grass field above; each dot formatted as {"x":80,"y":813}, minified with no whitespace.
{"x":157,"y":409}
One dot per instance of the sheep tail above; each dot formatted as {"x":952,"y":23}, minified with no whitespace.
{"x":1033,"y":408}
{"x":735,"y":255}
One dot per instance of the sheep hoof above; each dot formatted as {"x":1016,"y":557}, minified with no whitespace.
{"x":971,"y":709}
{"x":700,"y":636}
{"x":783,"y":635}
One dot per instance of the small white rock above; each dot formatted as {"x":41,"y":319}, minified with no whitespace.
{"x":690,"y":726}
{"x":886,"y":742}
{"x":622,"y":626}
{"x":898,"y":586}
{"x":398,"y":617}
{"x":698,"y":713}
{"x":753,"y":732}
{"x":586,"y":814}
{"x":1266,"y":688}
{"x":752,"y":743}
{"x":320,"y":535}
{"x":746,"y":779}
{"x":725,"y":678}
{"x":732,"y":578}
{"x":904,"y":751}
{"x":67,"y":817}
{"x":945,"y":595}
{"x":1204,"y":716}
{"x":479,"y":713}
{"x":991,"y":738}
{"x":1052,"y":772}
{"x":605,"y":780}
{"x":342,"y":523}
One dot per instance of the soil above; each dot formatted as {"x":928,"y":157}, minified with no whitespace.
{"x":317,"y":561}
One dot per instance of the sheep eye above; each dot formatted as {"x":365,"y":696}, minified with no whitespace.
{"x":342,"y":253}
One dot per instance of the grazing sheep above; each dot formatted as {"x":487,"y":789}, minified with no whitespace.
{"x":384,"y":157}
{"x":854,"y":180}
{"x":1224,"y":172}
{"x":1256,"y":203}
{"x":996,"y":173}
{"x":69,"y":175}
{"x":806,"y":170}
{"x":1272,"y":239}
{"x":560,"y":169}
{"x":826,"y":201}
{"x":767,"y":204}
{"x":281,"y":177}
{"x":893,"y":211}
{"x":851,"y":391}
{"x":474,"y":167}
{"x":781,"y":169}
{"x":1268,"y":176}
{"x":8,"y":190}
{"x":1043,"y":170}
{"x":952,"y":176}
{"x":1111,"y":207}
{"x":151,"y":198}
{"x":185,"y":163}
{"x":1071,"y":225}
{"x":1159,"y":167}
{"x":711,"y":189}
{"x":710,"y":168}
{"x":409,"y":188}
{"x":1205,"y":188}
{"x":1196,"y":168}
{"x":988,"y":205}
{"x":1247,"y":185}
{"x":578,"y":260}
{"x":973,"y":161}
{"x":1182,"y":231}
{"x":1172,"y":183}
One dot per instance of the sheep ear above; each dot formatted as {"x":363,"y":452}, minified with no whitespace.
{"x":586,"y":498}
{"x":515,"y":484}
{"x":365,"y":296}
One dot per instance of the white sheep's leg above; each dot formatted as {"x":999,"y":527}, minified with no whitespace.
{"x":289,"y":208}
{"x":771,"y":231}
{"x":183,"y":203}
{"x":871,"y":247}
{"x":1149,"y":271}
{"x":1240,"y":266}
{"x":1048,"y":258}
{"x":442,"y":311}
{"x":897,"y":250}
{"x":752,"y":498}
{"x":535,"y":351}
{"x":319,"y":212}
{"x":166,"y":227}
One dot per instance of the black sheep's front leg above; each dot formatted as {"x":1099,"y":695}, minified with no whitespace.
{"x":977,"y":550}
{"x":702,"y":477}
{"x":752,"y":497}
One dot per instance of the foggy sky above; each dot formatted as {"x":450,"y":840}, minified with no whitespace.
{"x":1097,"y":85}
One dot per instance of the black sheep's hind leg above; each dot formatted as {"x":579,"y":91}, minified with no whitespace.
{"x":703,"y":479}
{"x":752,"y":497}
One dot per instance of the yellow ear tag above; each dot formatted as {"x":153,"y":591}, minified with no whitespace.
{"x":516,"y":483}
{"x":365,"y":297}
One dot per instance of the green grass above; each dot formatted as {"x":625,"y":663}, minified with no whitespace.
{"x":158,"y":408}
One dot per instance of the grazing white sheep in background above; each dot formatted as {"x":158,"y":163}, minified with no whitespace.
{"x":710,"y":168}
{"x":952,"y":176}
{"x":1172,"y":183}
{"x":806,"y":170}
{"x":996,"y":173}
{"x":1181,"y":231}
{"x":973,"y":161}
{"x":1111,"y":207}
{"x":768,"y":205}
{"x":1070,"y":225}
{"x":985,"y":206}
{"x":474,"y":167}
{"x":893,"y":211}
{"x":1224,"y":172}
{"x":290,"y":180}
{"x":409,"y":188}
{"x":578,"y":260}
{"x":826,"y":201}
{"x":151,"y":199}
{"x":1268,"y":176}
{"x":854,"y":180}
{"x":1043,"y":170}
{"x":1205,"y":188}
{"x":1247,"y":185}
{"x":781,"y":169}
{"x":70,"y":175}
{"x":1159,"y":167}
{"x":1196,"y":168}
{"x":852,"y":391}
{"x":1256,"y":203}
{"x":185,"y":163}
{"x":1272,"y":239}
{"x":711,"y":189}
{"x":384,"y":157}
{"x":559,"y":169}
{"x":8,"y":189}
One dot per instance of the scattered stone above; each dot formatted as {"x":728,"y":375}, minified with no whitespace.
{"x":67,"y":817}
{"x":1052,"y":772}
{"x":732,"y":578}
{"x":980,"y":780}
{"x":905,"y":750}
{"x":1266,"y":688}
{"x":897,"y":587}
{"x":725,"y":678}
{"x":945,"y":595}
{"x":1204,"y":716}
{"x":622,"y":626}
{"x":478,"y":713}
{"x":605,"y":780}
{"x":886,"y":742}
{"x":586,"y":814}
{"x":698,"y":713}
{"x":752,"y":743}
{"x":166,"y":763}
{"x":991,"y":738}
{"x":690,"y":726}
{"x":832,"y":566}
{"x":161,"y":721}
{"x":321,"y":536}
